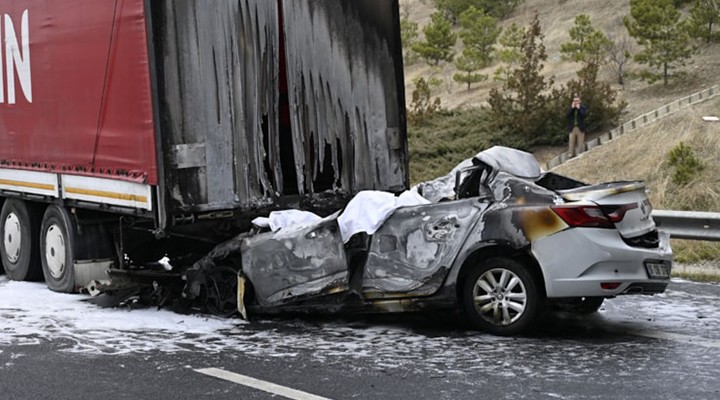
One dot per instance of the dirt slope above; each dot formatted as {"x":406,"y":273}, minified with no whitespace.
{"x":557,"y":17}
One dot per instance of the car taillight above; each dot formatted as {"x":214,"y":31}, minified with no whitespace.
{"x":617,"y":213}
{"x":582,"y":216}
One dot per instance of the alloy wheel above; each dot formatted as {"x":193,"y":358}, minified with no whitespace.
{"x":499,"y":296}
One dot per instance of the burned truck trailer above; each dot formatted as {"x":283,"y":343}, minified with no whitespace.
{"x":135,"y":129}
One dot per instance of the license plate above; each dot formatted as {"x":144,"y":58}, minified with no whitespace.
{"x":657,"y":270}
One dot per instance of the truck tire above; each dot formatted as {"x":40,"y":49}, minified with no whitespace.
{"x":500,"y":296}
{"x":57,"y":239}
{"x":19,"y":249}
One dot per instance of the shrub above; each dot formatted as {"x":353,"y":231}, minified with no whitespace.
{"x":446,"y":138}
{"x":686,"y":165}
{"x":422,"y":105}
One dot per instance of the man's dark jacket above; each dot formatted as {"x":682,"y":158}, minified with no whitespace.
{"x":581,"y":114}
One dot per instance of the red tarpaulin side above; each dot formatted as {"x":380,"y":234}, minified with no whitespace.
{"x":87,"y":106}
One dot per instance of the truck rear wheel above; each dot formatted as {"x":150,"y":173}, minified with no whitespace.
{"x":19,"y":249}
{"x":57,"y":237}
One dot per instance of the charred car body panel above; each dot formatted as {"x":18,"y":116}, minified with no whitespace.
{"x":413,"y":251}
{"x":296,"y":263}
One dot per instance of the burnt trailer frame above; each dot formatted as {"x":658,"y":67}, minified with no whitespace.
{"x":285,"y":127}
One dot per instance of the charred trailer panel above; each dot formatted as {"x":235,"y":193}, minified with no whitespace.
{"x":261,"y":101}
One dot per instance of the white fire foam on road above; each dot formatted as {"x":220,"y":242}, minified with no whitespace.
{"x":31,"y":314}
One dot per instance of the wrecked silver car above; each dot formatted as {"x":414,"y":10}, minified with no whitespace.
{"x":497,"y":238}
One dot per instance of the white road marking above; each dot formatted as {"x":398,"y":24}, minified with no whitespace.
{"x":259,"y":384}
{"x":677,"y":337}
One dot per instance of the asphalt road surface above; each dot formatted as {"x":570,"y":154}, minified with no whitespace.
{"x":56,"y":346}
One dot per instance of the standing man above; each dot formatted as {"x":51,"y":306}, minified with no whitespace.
{"x":576,"y":127}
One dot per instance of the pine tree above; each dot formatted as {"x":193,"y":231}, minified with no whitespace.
{"x":439,"y":40}
{"x":656,"y":25}
{"x":422,"y":105}
{"x":453,"y":8}
{"x":479,"y":34}
{"x":408,"y":36}
{"x":500,"y":8}
{"x":704,"y":15}
{"x":468,"y":64}
{"x":519,"y":108}
{"x":509,"y":53}
{"x":587,"y":45}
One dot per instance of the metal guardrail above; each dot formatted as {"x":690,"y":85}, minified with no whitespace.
{"x":693,"y":225}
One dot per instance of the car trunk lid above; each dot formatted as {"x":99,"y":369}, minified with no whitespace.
{"x":624,"y":203}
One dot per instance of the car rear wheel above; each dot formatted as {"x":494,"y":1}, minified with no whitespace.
{"x":501,"y":296}
{"x":19,"y":248}
{"x":57,"y":237}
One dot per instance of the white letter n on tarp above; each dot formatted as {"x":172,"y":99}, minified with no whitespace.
{"x":17,"y":59}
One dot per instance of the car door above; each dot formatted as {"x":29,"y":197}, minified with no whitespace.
{"x":295,"y":263}
{"x":412,"y":252}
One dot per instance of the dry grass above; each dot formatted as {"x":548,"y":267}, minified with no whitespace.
{"x":709,"y":277}
{"x":704,"y":271}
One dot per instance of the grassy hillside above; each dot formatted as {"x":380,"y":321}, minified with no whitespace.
{"x":556,"y":18}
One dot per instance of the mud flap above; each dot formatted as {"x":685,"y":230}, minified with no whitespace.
{"x":241,"y":295}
